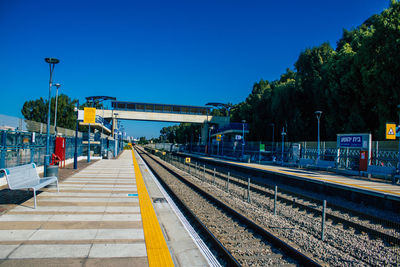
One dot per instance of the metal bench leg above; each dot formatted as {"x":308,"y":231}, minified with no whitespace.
{"x":58,"y":191}
{"x":34,"y":197}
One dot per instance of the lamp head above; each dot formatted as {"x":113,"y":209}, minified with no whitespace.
{"x":58,"y":85}
{"x":52,"y":60}
{"x":318,"y":113}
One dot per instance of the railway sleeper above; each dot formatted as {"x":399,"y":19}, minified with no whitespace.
{"x":300,"y":204}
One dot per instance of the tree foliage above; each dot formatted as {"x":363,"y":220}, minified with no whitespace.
{"x":356,"y":85}
{"x":182,"y":133}
{"x":36,"y":110}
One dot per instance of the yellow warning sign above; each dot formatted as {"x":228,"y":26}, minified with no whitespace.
{"x":391,"y":131}
{"x":89,"y":115}
{"x":218,"y":137}
{"x":187,"y":160}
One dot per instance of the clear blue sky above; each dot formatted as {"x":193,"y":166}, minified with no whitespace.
{"x":174,"y":52}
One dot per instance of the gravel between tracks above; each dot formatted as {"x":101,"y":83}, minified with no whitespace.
{"x":342,"y":246}
{"x":244,"y":245}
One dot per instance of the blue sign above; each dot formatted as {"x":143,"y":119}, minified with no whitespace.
{"x":133,"y":195}
{"x":351,"y":141}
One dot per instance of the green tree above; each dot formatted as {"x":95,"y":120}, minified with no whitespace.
{"x":182,"y":133}
{"x":37,"y":110}
{"x":357,"y":86}
{"x":143,"y":140}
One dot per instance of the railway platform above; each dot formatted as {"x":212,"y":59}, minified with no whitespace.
{"x":112,"y":213}
{"x":362,"y":185}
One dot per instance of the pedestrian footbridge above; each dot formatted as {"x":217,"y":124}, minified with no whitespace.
{"x":161,"y":112}
{"x":123,"y":110}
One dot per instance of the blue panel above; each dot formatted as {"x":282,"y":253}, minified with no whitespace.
{"x":353,"y":140}
{"x":133,"y":195}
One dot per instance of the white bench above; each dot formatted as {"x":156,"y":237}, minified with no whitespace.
{"x":26,"y":177}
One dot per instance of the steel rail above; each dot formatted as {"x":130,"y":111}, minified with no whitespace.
{"x":227,"y":257}
{"x":384,"y":236}
{"x":285,"y":246}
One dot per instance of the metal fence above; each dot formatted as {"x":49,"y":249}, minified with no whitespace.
{"x":384,"y":153}
{"x":242,"y":187}
{"x":23,"y":141}
{"x":18,"y":124}
{"x":17,"y":148}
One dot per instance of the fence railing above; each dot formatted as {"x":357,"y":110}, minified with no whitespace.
{"x":23,"y":141}
{"x":384,"y":153}
{"x":23,"y":125}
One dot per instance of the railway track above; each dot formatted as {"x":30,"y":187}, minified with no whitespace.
{"x":377,"y":227}
{"x":350,"y":238}
{"x":242,"y":241}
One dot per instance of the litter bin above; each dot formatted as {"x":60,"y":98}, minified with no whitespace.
{"x":51,"y":170}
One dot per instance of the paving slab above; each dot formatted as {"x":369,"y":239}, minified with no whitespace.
{"x":92,"y":221}
{"x":92,"y":217}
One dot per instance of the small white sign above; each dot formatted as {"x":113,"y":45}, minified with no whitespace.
{"x":80,"y":115}
{"x":238,"y":137}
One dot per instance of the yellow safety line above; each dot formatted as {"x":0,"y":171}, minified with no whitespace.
{"x":156,"y":246}
{"x":316,"y":178}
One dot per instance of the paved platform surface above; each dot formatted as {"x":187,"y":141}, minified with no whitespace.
{"x":95,"y":220}
{"x":352,"y":183}
{"x":183,"y":250}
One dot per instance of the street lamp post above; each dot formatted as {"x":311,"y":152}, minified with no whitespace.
{"x":76,"y":137}
{"x":55,"y":112}
{"x":243,"y":144}
{"x":283,"y":142}
{"x":318,"y":113}
{"x":52,"y":62}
